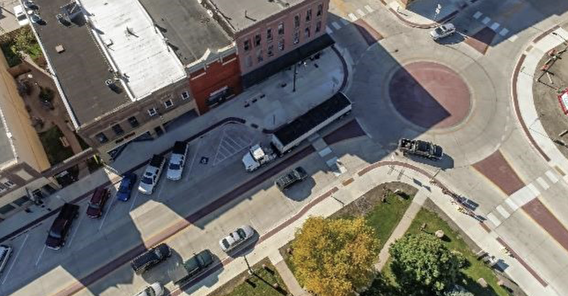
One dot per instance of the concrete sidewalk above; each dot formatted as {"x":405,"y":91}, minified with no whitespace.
{"x":343,"y":194}
{"x":527,"y":114}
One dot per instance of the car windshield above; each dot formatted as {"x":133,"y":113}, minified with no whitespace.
{"x":439,"y":31}
{"x":241,"y":233}
{"x":147,"y":180}
{"x":174,"y":166}
{"x":123,"y":187}
{"x":93,"y":205}
{"x":225,"y":243}
{"x":54,"y":234}
{"x":150,"y":291}
{"x":21,"y":17}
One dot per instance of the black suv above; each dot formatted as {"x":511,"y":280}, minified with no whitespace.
{"x":61,"y":225}
{"x":296,"y":175}
{"x":150,"y":258}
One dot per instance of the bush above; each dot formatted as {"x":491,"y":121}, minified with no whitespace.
{"x":46,"y":94}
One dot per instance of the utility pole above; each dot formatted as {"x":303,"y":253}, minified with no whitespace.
{"x":294,"y":88}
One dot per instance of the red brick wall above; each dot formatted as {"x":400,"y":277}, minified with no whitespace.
{"x":215,"y":76}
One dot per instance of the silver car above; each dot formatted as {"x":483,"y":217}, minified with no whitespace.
{"x":154,"y":289}
{"x":443,"y":31}
{"x":236,"y":238}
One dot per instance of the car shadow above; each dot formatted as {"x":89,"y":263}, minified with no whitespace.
{"x":452,"y":39}
{"x":300,"y":190}
{"x":447,"y":162}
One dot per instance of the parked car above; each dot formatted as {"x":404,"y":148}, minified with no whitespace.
{"x":177,"y":161}
{"x":97,"y":202}
{"x":151,"y":175}
{"x":296,"y":175}
{"x":151,"y":258}
{"x":443,"y":31}
{"x":125,"y":187}
{"x":5,"y":253}
{"x":20,"y":15}
{"x":154,"y":289}
{"x":236,"y":238}
{"x":61,"y":225}
{"x":192,"y":267}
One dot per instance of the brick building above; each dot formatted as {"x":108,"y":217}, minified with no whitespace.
{"x":127,"y":68}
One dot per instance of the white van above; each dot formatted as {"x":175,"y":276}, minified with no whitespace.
{"x":5,"y":252}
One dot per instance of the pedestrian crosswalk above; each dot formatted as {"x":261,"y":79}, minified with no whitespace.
{"x":350,"y":17}
{"x":522,"y":196}
{"x":494,"y":26}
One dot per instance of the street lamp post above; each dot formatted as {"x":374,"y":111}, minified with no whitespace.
{"x":295,"y":72}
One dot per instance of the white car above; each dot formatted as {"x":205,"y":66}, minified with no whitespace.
{"x":236,"y":238}
{"x":151,"y":175}
{"x":177,"y":161}
{"x":21,"y":15}
{"x":5,"y":252}
{"x":154,"y":289}
{"x":442,"y":31}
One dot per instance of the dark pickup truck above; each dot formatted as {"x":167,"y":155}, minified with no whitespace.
{"x":420,"y":148}
{"x":296,"y":175}
{"x":192,"y":267}
{"x":61,"y":226}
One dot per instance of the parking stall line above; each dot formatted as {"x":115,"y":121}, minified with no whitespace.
{"x":15,"y":259}
{"x":134,"y":200}
{"x":224,"y":151}
{"x":75,"y":230}
{"x":230,"y":147}
{"x":368,"y":8}
{"x":193,"y":159}
{"x":114,"y":201}
{"x":40,"y":255}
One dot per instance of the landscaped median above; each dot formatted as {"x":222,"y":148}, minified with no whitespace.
{"x":449,"y":266}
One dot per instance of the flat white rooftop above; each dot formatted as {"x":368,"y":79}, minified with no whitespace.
{"x":134,"y":46}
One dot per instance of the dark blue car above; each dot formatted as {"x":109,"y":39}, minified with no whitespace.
{"x":126,"y":185}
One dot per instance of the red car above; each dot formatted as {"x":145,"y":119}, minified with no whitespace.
{"x":97,"y":202}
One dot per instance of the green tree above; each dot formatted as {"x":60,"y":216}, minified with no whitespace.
{"x":458,"y":291}
{"x":335,"y":257}
{"x":24,"y":39}
{"x":423,"y":265}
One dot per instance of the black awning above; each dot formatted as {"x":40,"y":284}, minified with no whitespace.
{"x":287,"y":60}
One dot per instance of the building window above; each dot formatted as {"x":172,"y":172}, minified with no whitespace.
{"x":185,"y":95}
{"x":320,"y":10}
{"x":307,"y":33}
{"x":117,"y":129}
{"x":318,"y":26}
{"x":248,"y":61}
{"x":281,"y":29}
{"x":270,"y":50}
{"x":152,"y":111}
{"x":296,"y":21}
{"x":257,"y":40}
{"x":296,"y":37}
{"x":308,"y":15}
{"x":259,"y":56}
{"x":9,"y":184}
{"x":246,"y":45}
{"x":133,"y":121}
{"x":168,"y":103}
{"x":101,"y":138}
{"x":269,"y":34}
{"x":281,"y":44}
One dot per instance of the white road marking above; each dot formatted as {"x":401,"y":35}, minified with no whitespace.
{"x":324,"y":152}
{"x":495,"y":26}
{"x":533,"y":189}
{"x":328,"y":30}
{"x":134,"y":200}
{"x":40,"y":255}
{"x":551,"y":176}
{"x":15,"y":258}
{"x":486,"y":20}
{"x":344,"y":21}
{"x":504,"y":32}
{"x":511,"y":204}
{"x":513,"y":38}
{"x":503,"y":212}
{"x":193,"y":159}
{"x":493,"y":219}
{"x":542,"y":183}
{"x":352,"y":17}
{"x":368,"y":8}
{"x":477,"y":15}
{"x":360,"y":12}
{"x":114,"y":200}
{"x":336,"y":25}
{"x":75,"y":231}
{"x":522,"y":196}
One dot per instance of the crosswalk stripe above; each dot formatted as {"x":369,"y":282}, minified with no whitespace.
{"x":360,"y":12}
{"x":328,"y":30}
{"x":503,"y":212}
{"x":352,"y":17}
{"x":477,"y":15}
{"x":336,"y":25}
{"x":486,"y":20}
{"x":533,"y":189}
{"x":495,"y":26}
{"x":344,"y":21}
{"x":542,"y":183}
{"x":551,"y":176}
{"x":504,"y":32}
{"x":493,"y":219}
{"x":511,"y":204}
{"x":513,"y":38}
{"x":368,"y":8}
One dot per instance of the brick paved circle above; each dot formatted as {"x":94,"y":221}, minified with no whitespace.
{"x":430,"y":95}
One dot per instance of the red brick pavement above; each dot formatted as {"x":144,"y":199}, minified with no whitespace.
{"x":497,"y":170}
{"x":481,"y":40}
{"x":541,"y":215}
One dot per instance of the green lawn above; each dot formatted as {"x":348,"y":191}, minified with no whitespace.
{"x":261,"y":284}
{"x":471,"y":274}
{"x":55,"y":151}
{"x":385,"y":216}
